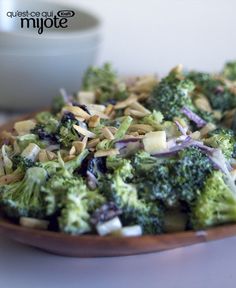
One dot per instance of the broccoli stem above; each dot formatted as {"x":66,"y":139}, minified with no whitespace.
{"x":124,"y":126}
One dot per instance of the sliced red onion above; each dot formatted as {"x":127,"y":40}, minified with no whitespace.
{"x":194,"y":117}
{"x":182,"y":129}
{"x":175,"y":150}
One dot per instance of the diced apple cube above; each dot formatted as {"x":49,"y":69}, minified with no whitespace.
{"x":155,"y":141}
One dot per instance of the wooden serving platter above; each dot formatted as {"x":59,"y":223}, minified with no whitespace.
{"x":97,"y":246}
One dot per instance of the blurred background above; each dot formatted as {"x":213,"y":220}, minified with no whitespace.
{"x":137,"y":36}
{"x":145,"y":36}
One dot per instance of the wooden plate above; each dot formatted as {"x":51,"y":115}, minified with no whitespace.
{"x":96,"y":246}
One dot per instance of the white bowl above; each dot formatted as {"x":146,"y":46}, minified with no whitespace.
{"x":34,"y":67}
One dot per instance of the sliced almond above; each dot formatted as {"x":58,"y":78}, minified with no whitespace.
{"x":84,"y":132}
{"x":112,"y":129}
{"x":109,"y":109}
{"x":77,"y":111}
{"x":93,"y":143}
{"x":85,"y":140}
{"x":102,"y":153}
{"x":72,"y":150}
{"x":203,"y":104}
{"x":207,"y":128}
{"x":143,"y":96}
{"x":143,"y":128}
{"x":79,"y":118}
{"x":11,"y":178}
{"x":86,"y":97}
{"x":5,"y":135}
{"x":34,"y":223}
{"x":123,"y":104}
{"x":94,"y":121}
{"x":139,"y":107}
{"x":43,"y":157}
{"x":144,"y":84}
{"x":79,"y":146}
{"x":69,"y":157}
{"x":195,"y":135}
{"x":107,"y":133}
{"x":51,"y":155}
{"x":134,"y":113}
{"x":96,"y":107}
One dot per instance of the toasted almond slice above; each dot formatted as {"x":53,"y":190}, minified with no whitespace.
{"x":102,"y":153}
{"x":140,"y":127}
{"x":195,"y":135}
{"x":107,"y":133}
{"x":203,"y":104}
{"x":72,"y":150}
{"x":84,"y":132}
{"x":96,"y":107}
{"x":86,"y":97}
{"x":69,"y":157}
{"x":79,"y":118}
{"x":79,"y":146}
{"x":34,"y":223}
{"x":134,"y":113}
{"x":139,"y":107}
{"x":177,"y":69}
{"x":94,"y":121}
{"x":85,"y":140}
{"x":112,"y":129}
{"x":143,"y":96}
{"x":5,"y":135}
{"x":144,"y":84}
{"x":43,"y":157}
{"x":109,"y":109}
{"x":123,"y":104}
{"x":77,"y":111}
{"x":11,"y":178}
{"x":93,"y":143}
{"x":51,"y":155}
{"x":98,"y":113}
{"x":207,"y":128}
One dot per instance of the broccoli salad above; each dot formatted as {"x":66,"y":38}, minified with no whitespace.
{"x":126,"y":157}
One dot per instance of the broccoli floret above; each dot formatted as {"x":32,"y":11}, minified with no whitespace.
{"x":124,"y":194}
{"x":65,"y":132}
{"x":229,"y":70}
{"x":22,"y":163}
{"x":77,"y":205}
{"x":156,"y":183}
{"x":24,"y":140}
{"x":154,"y":119}
{"x":174,"y":179}
{"x":223,"y":139}
{"x":70,"y":197}
{"x":24,"y":198}
{"x":61,"y":175}
{"x":216,"y":204}
{"x":103,"y":81}
{"x":58,"y":103}
{"x":190,"y":172}
{"x":215,"y":89}
{"x":122,"y":166}
{"x":48,"y":120}
{"x":170,"y":95}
